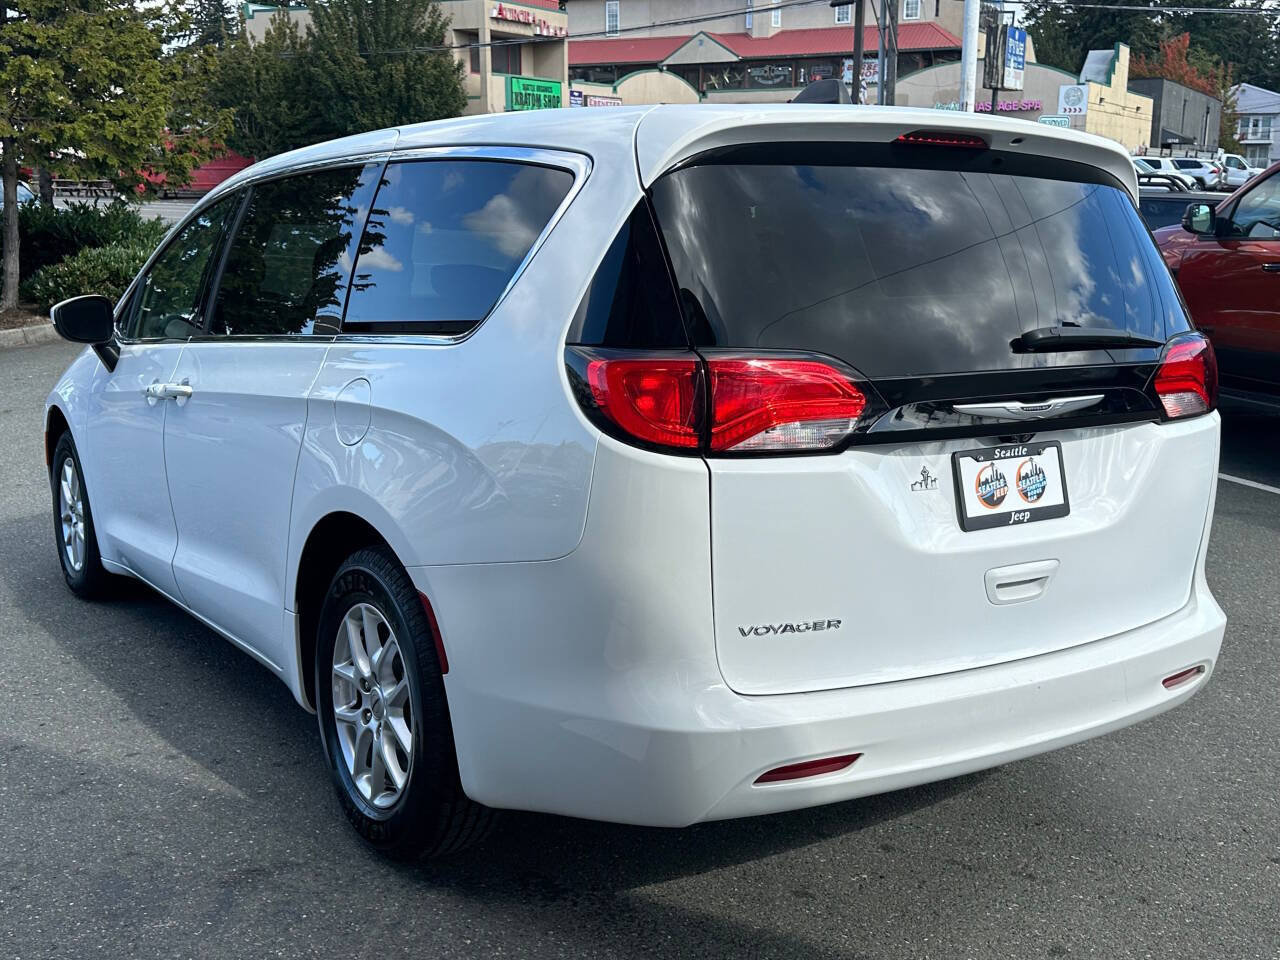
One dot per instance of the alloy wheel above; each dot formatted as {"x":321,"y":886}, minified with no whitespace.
{"x":371,"y":705}
{"x":71,"y":514}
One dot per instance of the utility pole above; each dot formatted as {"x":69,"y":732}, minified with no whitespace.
{"x":890,"y":25}
{"x":859,"y":23}
{"x":884,"y":11}
{"x":969,"y":55}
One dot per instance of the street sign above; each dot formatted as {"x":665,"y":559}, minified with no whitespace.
{"x":1015,"y":58}
{"x":1073,"y":99}
{"x":1053,"y":120}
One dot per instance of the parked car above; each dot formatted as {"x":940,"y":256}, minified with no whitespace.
{"x":25,"y":195}
{"x":1161,"y":206}
{"x":1226,"y":257}
{"x":1166,"y":165}
{"x":1237,"y":171}
{"x":1206,"y":173}
{"x":676,"y":464}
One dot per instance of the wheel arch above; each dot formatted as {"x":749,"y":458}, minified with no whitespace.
{"x":332,"y":539}
{"x":56,"y":423}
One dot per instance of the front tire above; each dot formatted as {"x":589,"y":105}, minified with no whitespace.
{"x":73,"y":530}
{"x":384,"y":719}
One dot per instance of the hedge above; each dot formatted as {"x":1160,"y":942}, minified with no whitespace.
{"x":48,"y":235}
{"x":106,"y":270}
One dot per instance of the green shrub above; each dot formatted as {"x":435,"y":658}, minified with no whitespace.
{"x":106,"y":270}
{"x":48,"y":235}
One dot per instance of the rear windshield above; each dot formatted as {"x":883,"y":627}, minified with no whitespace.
{"x":910,"y":270}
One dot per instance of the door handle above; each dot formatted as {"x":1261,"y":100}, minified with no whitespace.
{"x":168,"y":391}
{"x":1271,"y":267}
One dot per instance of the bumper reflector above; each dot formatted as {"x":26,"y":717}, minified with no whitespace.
{"x":809,"y":768}
{"x":1182,"y":676}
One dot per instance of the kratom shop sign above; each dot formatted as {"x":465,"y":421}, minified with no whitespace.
{"x":522,"y":15}
{"x":532,"y":93}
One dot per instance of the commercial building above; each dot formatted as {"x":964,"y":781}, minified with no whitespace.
{"x":1182,"y":119}
{"x":939,"y":87}
{"x":516,"y":53}
{"x":1258,"y":123}
{"x":747,"y":56}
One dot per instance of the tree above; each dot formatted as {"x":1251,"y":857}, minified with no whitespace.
{"x":1172,"y":62}
{"x":382,"y":63}
{"x":264,"y":85}
{"x":1063,"y":34}
{"x":87,"y":95}
{"x":213,"y":23}
{"x":361,"y":65}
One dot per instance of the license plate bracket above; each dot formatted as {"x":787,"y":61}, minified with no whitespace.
{"x":1009,"y":485}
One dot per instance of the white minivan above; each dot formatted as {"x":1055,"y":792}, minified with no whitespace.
{"x":661,"y":465}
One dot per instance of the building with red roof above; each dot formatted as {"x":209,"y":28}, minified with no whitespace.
{"x":761,"y":56}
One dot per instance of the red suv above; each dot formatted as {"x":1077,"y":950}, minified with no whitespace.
{"x":1227,"y":262}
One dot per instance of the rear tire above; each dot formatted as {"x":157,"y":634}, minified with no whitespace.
{"x":389,"y":741}
{"x":73,"y":530}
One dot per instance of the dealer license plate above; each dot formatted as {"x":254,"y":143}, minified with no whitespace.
{"x":1010,"y":485}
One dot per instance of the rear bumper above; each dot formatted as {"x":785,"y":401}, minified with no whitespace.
{"x":702,"y":760}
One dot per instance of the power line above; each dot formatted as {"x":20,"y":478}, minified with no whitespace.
{"x":597,"y":34}
{"x":1156,"y":8}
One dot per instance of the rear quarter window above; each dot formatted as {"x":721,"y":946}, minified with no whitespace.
{"x":444,"y":239}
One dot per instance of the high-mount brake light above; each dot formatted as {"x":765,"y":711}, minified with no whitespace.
{"x":1187,"y":379}
{"x":721,"y":402}
{"x":943,"y":138}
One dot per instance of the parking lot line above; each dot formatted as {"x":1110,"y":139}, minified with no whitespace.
{"x":1249,"y":483}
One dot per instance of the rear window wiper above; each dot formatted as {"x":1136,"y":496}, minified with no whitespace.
{"x":1067,"y":338}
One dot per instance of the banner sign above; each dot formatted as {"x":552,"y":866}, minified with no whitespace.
{"x":531,"y":93}
{"x":1015,"y":58}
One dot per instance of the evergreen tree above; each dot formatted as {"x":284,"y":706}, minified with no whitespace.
{"x":380,"y":63}
{"x":213,"y":23}
{"x":264,"y":84}
{"x":86,"y":95}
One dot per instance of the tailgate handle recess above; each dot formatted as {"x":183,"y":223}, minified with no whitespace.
{"x":1020,"y":582}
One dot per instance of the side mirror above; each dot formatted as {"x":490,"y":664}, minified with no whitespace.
{"x":1199,"y":219}
{"x":87,"y":319}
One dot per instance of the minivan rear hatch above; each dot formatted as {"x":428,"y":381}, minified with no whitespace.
{"x":1016,"y":486}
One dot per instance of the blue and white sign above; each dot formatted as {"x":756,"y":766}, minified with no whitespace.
{"x":1015,"y":58}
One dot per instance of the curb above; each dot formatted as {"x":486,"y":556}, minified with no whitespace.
{"x":28,"y":336}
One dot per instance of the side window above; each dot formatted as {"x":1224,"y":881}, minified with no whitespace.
{"x":1257,"y":215}
{"x":288,"y":263}
{"x":168,"y":297}
{"x":444,"y":239}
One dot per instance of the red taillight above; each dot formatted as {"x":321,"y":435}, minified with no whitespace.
{"x":656,"y":399}
{"x":776,"y":404}
{"x":722,"y":403}
{"x":1187,"y":379}
{"x":943,"y":138}
{"x":809,"y":768}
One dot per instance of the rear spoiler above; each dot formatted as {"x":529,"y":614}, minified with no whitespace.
{"x":666,"y":137}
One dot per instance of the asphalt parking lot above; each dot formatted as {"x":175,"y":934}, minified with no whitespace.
{"x":162,"y":796}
